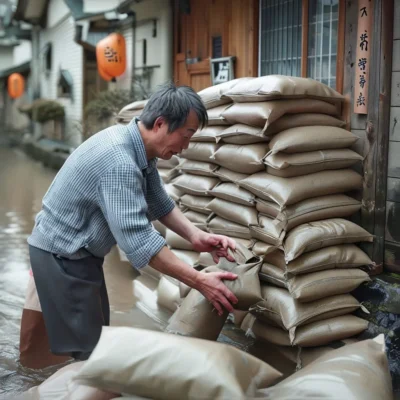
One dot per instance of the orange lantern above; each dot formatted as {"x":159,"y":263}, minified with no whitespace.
{"x":16,"y":85}
{"x":111,"y":55}
{"x":104,"y":75}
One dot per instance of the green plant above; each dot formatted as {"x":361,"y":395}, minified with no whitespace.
{"x":43,"y":110}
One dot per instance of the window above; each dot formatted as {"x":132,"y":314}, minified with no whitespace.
{"x":64,"y":86}
{"x":283,"y":27}
{"x":47,"y":57}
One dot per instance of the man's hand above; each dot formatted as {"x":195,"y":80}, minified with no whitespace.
{"x":210,"y":285}
{"x":217,"y":245}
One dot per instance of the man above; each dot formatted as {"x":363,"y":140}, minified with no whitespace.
{"x":107,"y":192}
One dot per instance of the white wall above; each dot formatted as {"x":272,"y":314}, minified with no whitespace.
{"x":124,"y":81}
{"x":23,"y":52}
{"x":98,"y":6}
{"x":56,"y":12}
{"x":6,"y":57}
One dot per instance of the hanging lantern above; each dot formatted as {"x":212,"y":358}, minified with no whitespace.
{"x":16,"y":85}
{"x":111,"y":55}
{"x":104,"y":75}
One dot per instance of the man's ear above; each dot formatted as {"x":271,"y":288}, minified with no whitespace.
{"x":159,"y":124}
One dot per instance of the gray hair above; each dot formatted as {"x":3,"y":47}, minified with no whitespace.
{"x":174,"y":104}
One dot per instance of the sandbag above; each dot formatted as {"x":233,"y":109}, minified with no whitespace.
{"x":212,"y":95}
{"x":264,"y":114}
{"x":226,"y":175}
{"x":195,"y":185}
{"x":353,"y":372}
{"x":173,"y":191}
{"x":207,"y":134}
{"x":215,"y":116}
{"x":268,"y":208}
{"x":315,"y":209}
{"x":200,"y":151}
{"x":287,"y":191}
{"x":196,"y":203}
{"x":262,"y":249}
{"x":311,"y":138}
{"x":187,"y":256}
{"x":198,"y":168}
{"x":272,"y":274}
{"x":280,"y":309}
{"x":160,"y":227}
{"x":244,"y":215}
{"x":267,"y":231}
{"x":168,"y":174}
{"x":307,"y":119}
{"x":130,"y":111}
{"x":317,"y":285}
{"x":230,"y":192}
{"x":222,"y":226}
{"x":175,"y":241}
{"x":237,"y":317}
{"x":318,"y":333}
{"x":316,"y":235}
{"x":116,"y":364}
{"x":338,"y":256}
{"x":271,"y":87}
{"x":168,"y":164}
{"x":246,"y":159}
{"x":288,"y":165}
{"x":241,"y":134}
{"x":168,"y":293}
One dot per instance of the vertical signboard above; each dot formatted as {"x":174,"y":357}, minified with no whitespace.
{"x":363,"y":53}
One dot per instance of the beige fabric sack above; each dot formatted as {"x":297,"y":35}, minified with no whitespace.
{"x":311,"y":138}
{"x":195,"y":185}
{"x":168,"y":174}
{"x":168,"y":164}
{"x":160,"y":227}
{"x":244,"y":215}
{"x":198,"y":219}
{"x":353,"y":372}
{"x":116,"y":364}
{"x":264,"y":114}
{"x":237,"y":317}
{"x":174,"y":241}
{"x":226,"y":175}
{"x":215,"y":116}
{"x":212,"y":96}
{"x":280,"y":309}
{"x":267,"y":231}
{"x":268,"y":208}
{"x":196,"y":203}
{"x":317,"y":285}
{"x":222,"y":226}
{"x":168,"y":293}
{"x":261,"y":249}
{"x":242,"y":134}
{"x":208,"y":134}
{"x":317,"y":208}
{"x":130,"y":111}
{"x":173,"y":191}
{"x":272,"y":274}
{"x":307,"y":119}
{"x":287,"y":191}
{"x":187,"y":256}
{"x":200,"y":151}
{"x":198,"y":168}
{"x":282,"y":87}
{"x":230,"y":192}
{"x":246,"y":159}
{"x":288,"y":165}
{"x":319,"y":234}
{"x":338,"y":256}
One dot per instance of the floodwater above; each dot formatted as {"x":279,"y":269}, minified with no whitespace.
{"x":23,"y":183}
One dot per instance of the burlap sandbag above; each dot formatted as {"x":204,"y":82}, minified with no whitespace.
{"x":168,"y":174}
{"x":199,"y":219}
{"x":262,"y":249}
{"x":338,"y":256}
{"x":288,"y":165}
{"x":230,"y":192}
{"x":307,"y":119}
{"x":287,"y":191}
{"x":242,"y":134}
{"x":198,"y":168}
{"x":353,"y":372}
{"x":160,"y":227}
{"x":316,"y":235}
{"x":215,"y":116}
{"x":200,"y":151}
{"x":116,"y":364}
{"x":267,"y":231}
{"x":130,"y":111}
{"x":173,"y":191}
{"x":318,"y":333}
{"x":226,"y":175}
{"x":280,"y":309}
{"x":168,"y":293}
{"x":196,"y":203}
{"x":272,"y":274}
{"x":237,"y":317}
{"x":208,"y":134}
{"x":317,"y":285}
{"x":311,"y":138}
{"x":223,"y":226}
{"x":168,"y":164}
{"x":282,"y":87}
{"x":246,"y":159}
{"x":268,"y":208}
{"x":264,"y":114}
{"x":175,"y":241}
{"x":187,"y":256}
{"x":315,"y":209}
{"x":244,"y":215}
{"x":195,"y":185}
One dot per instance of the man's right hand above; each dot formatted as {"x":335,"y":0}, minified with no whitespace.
{"x":211,"y":286}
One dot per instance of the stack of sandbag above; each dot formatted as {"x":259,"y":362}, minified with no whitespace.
{"x":130,"y":111}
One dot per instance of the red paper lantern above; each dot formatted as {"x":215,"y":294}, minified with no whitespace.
{"x":111,"y":55}
{"x":104,"y":75}
{"x":16,"y":85}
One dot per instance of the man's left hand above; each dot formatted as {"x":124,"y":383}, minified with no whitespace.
{"x":217,"y":245}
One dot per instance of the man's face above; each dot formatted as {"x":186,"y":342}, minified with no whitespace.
{"x":169,"y":144}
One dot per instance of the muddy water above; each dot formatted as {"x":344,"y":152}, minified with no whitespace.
{"x":23,"y":182}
